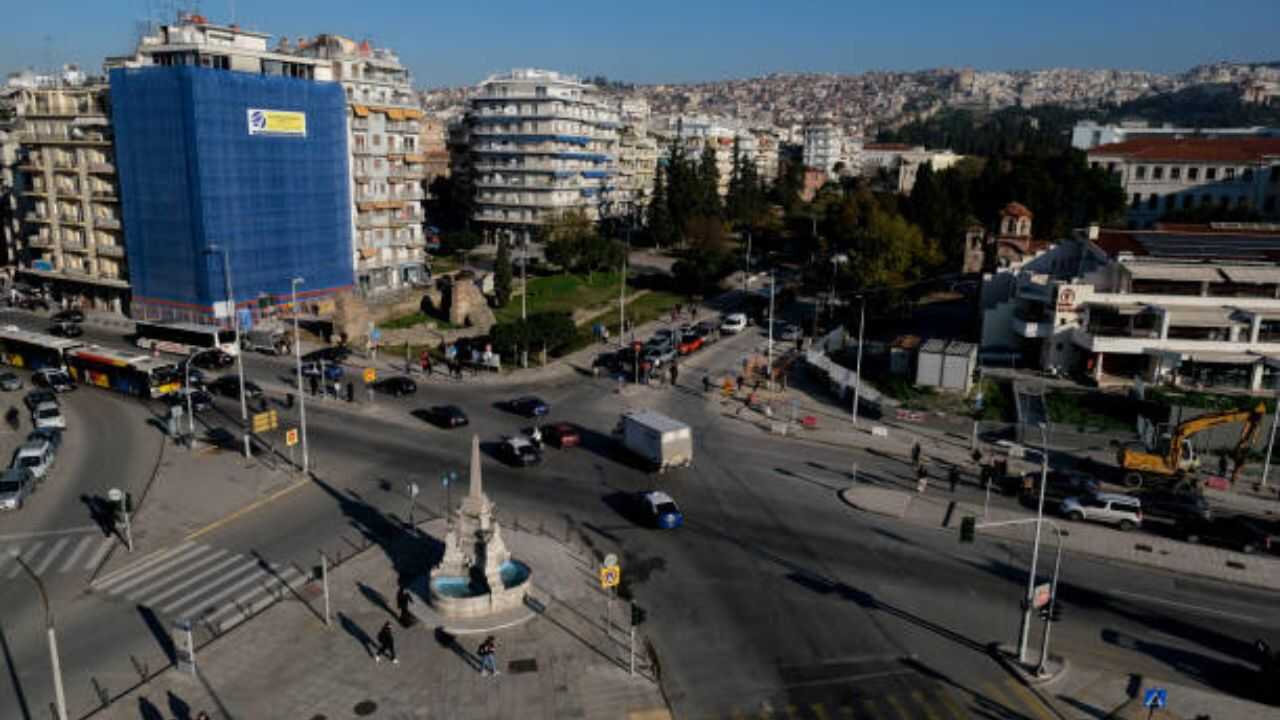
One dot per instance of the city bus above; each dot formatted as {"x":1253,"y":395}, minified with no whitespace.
{"x":32,"y":350}
{"x":184,"y":338}
{"x":138,"y":375}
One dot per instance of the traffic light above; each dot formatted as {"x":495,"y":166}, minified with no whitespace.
{"x":968,"y":528}
{"x":638,"y":615}
{"x":1051,"y":615}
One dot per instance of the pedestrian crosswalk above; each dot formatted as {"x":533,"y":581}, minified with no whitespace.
{"x":206,"y":585}
{"x":76,"y":553}
{"x":929,"y":701}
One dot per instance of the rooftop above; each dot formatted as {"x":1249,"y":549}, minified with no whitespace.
{"x":1187,"y":242}
{"x":1199,"y":149}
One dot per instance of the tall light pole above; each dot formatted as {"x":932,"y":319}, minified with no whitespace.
{"x":54,"y":665}
{"x":857,"y":384}
{"x":746,"y":271}
{"x":1025,"y":632}
{"x":186,"y":383}
{"x":235,"y":324}
{"x":769,"y":360}
{"x":297,"y":356}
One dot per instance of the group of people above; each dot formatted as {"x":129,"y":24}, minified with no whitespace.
{"x":487,"y":652}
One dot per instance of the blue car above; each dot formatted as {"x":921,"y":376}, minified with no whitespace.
{"x":661,"y":510}
{"x":529,"y":406}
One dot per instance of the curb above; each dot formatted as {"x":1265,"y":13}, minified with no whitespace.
{"x":1034,"y":685}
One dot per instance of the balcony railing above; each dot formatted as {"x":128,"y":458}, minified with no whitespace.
{"x":101,"y":167}
{"x":106,"y":222}
{"x":40,"y":242}
{"x":112,"y":251}
{"x":74,"y":246}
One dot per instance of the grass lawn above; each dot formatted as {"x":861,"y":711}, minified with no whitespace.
{"x":562,"y":293}
{"x":408,"y":321}
{"x":441,"y":264}
{"x":650,"y":306}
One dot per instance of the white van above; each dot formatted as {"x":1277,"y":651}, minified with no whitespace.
{"x":35,"y":456}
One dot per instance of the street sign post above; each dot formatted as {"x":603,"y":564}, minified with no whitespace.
{"x":291,"y":437}
{"x":610,"y":576}
{"x":1041,"y":596}
{"x":412,"y":490}
{"x":265,"y":421}
{"x":370,"y":374}
{"x":1154,"y":698}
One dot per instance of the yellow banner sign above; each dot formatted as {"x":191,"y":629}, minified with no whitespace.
{"x":277,"y":122}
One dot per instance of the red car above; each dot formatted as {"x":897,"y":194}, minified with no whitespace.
{"x":562,"y":435}
{"x":689,"y":344}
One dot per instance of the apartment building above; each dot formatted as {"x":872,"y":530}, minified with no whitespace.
{"x":823,"y":146}
{"x":637,"y":164}
{"x":71,"y":238}
{"x":1160,"y":175}
{"x":387,"y":161}
{"x":1088,"y":134}
{"x":698,"y":131}
{"x":1191,"y":305}
{"x":539,"y":143}
{"x":10,"y":179}
{"x":900,"y":162}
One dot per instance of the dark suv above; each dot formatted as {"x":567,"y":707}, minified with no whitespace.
{"x":1175,"y":507}
{"x":1235,"y":532}
{"x":1062,"y":485}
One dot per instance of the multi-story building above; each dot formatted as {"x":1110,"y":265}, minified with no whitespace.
{"x":1160,"y":175}
{"x":71,"y":235}
{"x":262,"y":137}
{"x":1088,"y":134}
{"x":637,"y":165}
{"x":1192,"y":305}
{"x":695,"y":132}
{"x":387,"y":162}
{"x":823,"y":146}
{"x":901,"y":162}
{"x":10,"y":180}
{"x":540,"y":143}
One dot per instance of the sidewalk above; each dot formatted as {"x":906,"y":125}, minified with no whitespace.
{"x":1090,"y":693}
{"x":289,"y":665}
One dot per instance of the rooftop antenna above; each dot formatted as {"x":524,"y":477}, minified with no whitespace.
{"x":232,"y":10}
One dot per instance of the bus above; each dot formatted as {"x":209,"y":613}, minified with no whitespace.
{"x":139,"y":375}
{"x":32,"y":350}
{"x":184,"y":338}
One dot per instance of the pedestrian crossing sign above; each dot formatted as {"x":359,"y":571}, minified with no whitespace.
{"x":370,"y":375}
{"x":291,"y":437}
{"x":610,"y":576}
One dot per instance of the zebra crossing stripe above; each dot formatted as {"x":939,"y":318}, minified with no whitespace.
{"x":952,"y":705}
{"x":81,"y":546}
{"x":25,"y":555}
{"x":258,"y":598}
{"x":211,"y":599}
{"x":922,"y":702}
{"x":100,"y":553}
{"x":50,"y":556}
{"x":223,"y":564}
{"x":117,"y":585}
{"x":179,"y":569}
{"x":217,"y":597}
{"x":139,"y":566}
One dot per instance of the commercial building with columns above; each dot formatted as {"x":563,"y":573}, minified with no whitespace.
{"x":1192,"y":306}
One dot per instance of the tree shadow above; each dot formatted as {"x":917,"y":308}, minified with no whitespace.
{"x":982,"y":705}
{"x":179,"y":707}
{"x":159,"y":632}
{"x":100,"y":513}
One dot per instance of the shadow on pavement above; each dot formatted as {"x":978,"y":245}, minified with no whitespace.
{"x":13,"y":676}
{"x":356,"y":632}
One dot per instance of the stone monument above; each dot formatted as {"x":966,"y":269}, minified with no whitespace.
{"x":476,"y":576}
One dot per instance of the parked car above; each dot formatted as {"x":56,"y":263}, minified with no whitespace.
{"x":229,"y":386}
{"x":195,"y":374}
{"x":36,"y":456}
{"x":787,"y":332}
{"x":517,"y":450}
{"x":689,"y":342}
{"x":657,"y":357}
{"x":1175,"y":507}
{"x":661,"y":510}
{"x":396,"y":386}
{"x":733,"y":323}
{"x":72,"y":315}
{"x":331,"y":371}
{"x":1234,"y":532}
{"x":10,"y":382}
{"x":333,"y":354}
{"x":606,"y":360}
{"x":48,"y":415}
{"x":1123,"y":511}
{"x":36,"y":398}
{"x":1062,"y":485}
{"x":53,"y":436}
{"x":446,"y":416}
{"x":563,"y":435}
{"x":66,"y":329}
{"x":708,"y":330}
{"x":529,"y":406}
{"x":55,"y":379}
{"x":662,"y":336}
{"x":15,"y":486}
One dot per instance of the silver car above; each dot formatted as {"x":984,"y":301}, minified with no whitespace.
{"x":15,"y":486}
{"x":1123,"y":511}
{"x":48,"y":415}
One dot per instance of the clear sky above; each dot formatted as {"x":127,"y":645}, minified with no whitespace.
{"x":455,"y":43}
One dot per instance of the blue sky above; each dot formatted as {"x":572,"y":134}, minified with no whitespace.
{"x":454,"y":43}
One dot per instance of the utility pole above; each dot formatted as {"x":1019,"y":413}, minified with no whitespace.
{"x":622,"y":286}
{"x":1024,"y":632}
{"x":54,"y":665}
{"x":1266,"y":462}
{"x":524,"y":293}
{"x":235,"y":324}
{"x":769,"y":361}
{"x":746,"y":273}
{"x":297,"y":356}
{"x":857,"y":385}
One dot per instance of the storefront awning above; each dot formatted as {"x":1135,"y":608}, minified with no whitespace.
{"x":360,"y":110}
{"x":395,"y":114}
{"x":1173,"y":272}
{"x":1223,"y":358}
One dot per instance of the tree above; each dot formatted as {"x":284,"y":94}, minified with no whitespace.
{"x":708,"y":181}
{"x":462,"y":242}
{"x":661,"y":228}
{"x":567,"y":237}
{"x":733,"y":199}
{"x":502,"y":275}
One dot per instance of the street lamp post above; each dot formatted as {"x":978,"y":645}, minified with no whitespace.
{"x":1053,"y":587}
{"x":235,"y":324}
{"x":769,"y":360}
{"x":1024,"y":632}
{"x":857,"y":369}
{"x":297,"y":356}
{"x":54,"y":665}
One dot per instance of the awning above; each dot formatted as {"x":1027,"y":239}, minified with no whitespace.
{"x":1201,"y":317}
{"x":360,"y":110}
{"x":395,"y":114}
{"x":1180,"y":273}
{"x":367,"y":206}
{"x":1125,"y":310}
{"x":367,"y":252}
{"x":412,"y":114}
{"x":1224,"y":358}
{"x":1257,"y":275}
{"x":415,"y":158}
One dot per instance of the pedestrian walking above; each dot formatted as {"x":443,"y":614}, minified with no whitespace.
{"x":314,"y":382}
{"x":915,"y":453}
{"x":487,"y":652}
{"x":202,"y":715}
{"x":741,"y":382}
{"x":706,"y":383}
{"x":403,"y":600}
{"x":953,"y":478}
{"x":693,"y":312}
{"x":675,"y":373}
{"x":1222,"y":464}
{"x":922,"y":479}
{"x":386,"y":644}
{"x":977,"y":456}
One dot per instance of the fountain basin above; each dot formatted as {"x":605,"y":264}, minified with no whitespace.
{"x":455,"y":596}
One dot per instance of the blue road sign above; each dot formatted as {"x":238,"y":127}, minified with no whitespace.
{"x":1155,"y":698}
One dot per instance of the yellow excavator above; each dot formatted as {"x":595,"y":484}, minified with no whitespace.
{"x":1178,"y":459}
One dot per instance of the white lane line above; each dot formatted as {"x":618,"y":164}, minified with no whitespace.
{"x":176,"y":570}
{"x":213,"y":599}
{"x":47,"y":533}
{"x":142,"y":564}
{"x":100,"y":553}
{"x":83,"y":545}
{"x":117,"y":585}
{"x":290,"y":578}
{"x":217,"y":567}
{"x":50,"y":556}
{"x":1187,"y":606}
{"x":26,"y":555}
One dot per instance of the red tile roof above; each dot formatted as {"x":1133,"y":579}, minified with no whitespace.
{"x":1114,"y":242}
{"x":1197,"y":149}
{"x":893,"y":147}
{"x":1016,"y":209}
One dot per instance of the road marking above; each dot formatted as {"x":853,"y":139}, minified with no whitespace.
{"x":214,"y":598}
{"x":1187,"y":606}
{"x":952,"y":705}
{"x":248,"y":508}
{"x":1029,"y":700}
{"x":139,"y":565}
{"x":50,"y":556}
{"x":83,"y":545}
{"x":923,"y":703}
{"x":26,"y":555}
{"x":218,"y":567}
{"x":101,"y":552}
{"x":47,"y":533}
{"x":249,"y":602}
{"x":119,"y":583}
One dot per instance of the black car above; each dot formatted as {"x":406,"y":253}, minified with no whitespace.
{"x":53,"y":436}
{"x":1062,"y":485}
{"x":229,"y":386}
{"x":1235,"y":532}
{"x":10,"y":382}
{"x":529,"y":406}
{"x":73,"y":315}
{"x":1174,"y":507}
{"x":396,"y":386}
{"x":66,"y":329}
{"x":35,"y":397}
{"x":213,"y":360}
{"x":333,"y":354}
{"x":201,"y":401}
{"x":606,"y":360}
{"x":446,"y":416}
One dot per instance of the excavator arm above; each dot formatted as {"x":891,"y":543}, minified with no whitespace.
{"x":1252,"y":420}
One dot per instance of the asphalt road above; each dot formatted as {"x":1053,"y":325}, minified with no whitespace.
{"x":773,"y":594}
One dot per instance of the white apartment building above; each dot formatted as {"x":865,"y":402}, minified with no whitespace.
{"x":637,"y":164}
{"x":193,"y":40}
{"x":540,"y":143}
{"x":1089,"y":134}
{"x":387,"y":161}
{"x":823,"y":147}
{"x":1160,"y":175}
{"x":1197,"y":306}
{"x":902,"y":162}
{"x":697,"y":131}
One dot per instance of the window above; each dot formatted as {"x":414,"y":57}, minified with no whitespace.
{"x":1175,"y":172}
{"x":1274,"y":174}
{"x":1193,"y":173}
{"x":1269,"y":204}
{"x":1228,"y":174}
{"x":1247,"y":175}
{"x":1141,"y":172}
{"x":1170,"y":202}
{"x":1153,"y":201}
{"x":1206,"y":200}
{"x":1157,"y":172}
{"x":1094,"y":164}
{"x":1211,"y":173}
{"x":1187,"y":200}
{"x":377,"y":140}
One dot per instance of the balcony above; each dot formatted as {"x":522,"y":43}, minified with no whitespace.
{"x":37,"y":241}
{"x":32,"y":217}
{"x":74,"y":246}
{"x":111,"y":251}
{"x":106,"y":222}
{"x":104,"y":195}
{"x":102,"y":168}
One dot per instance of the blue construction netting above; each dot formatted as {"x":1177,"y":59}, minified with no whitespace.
{"x":193,"y":177}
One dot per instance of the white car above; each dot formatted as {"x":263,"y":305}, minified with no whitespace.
{"x":733,"y":323}
{"x":36,"y":457}
{"x":49,"y":415}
